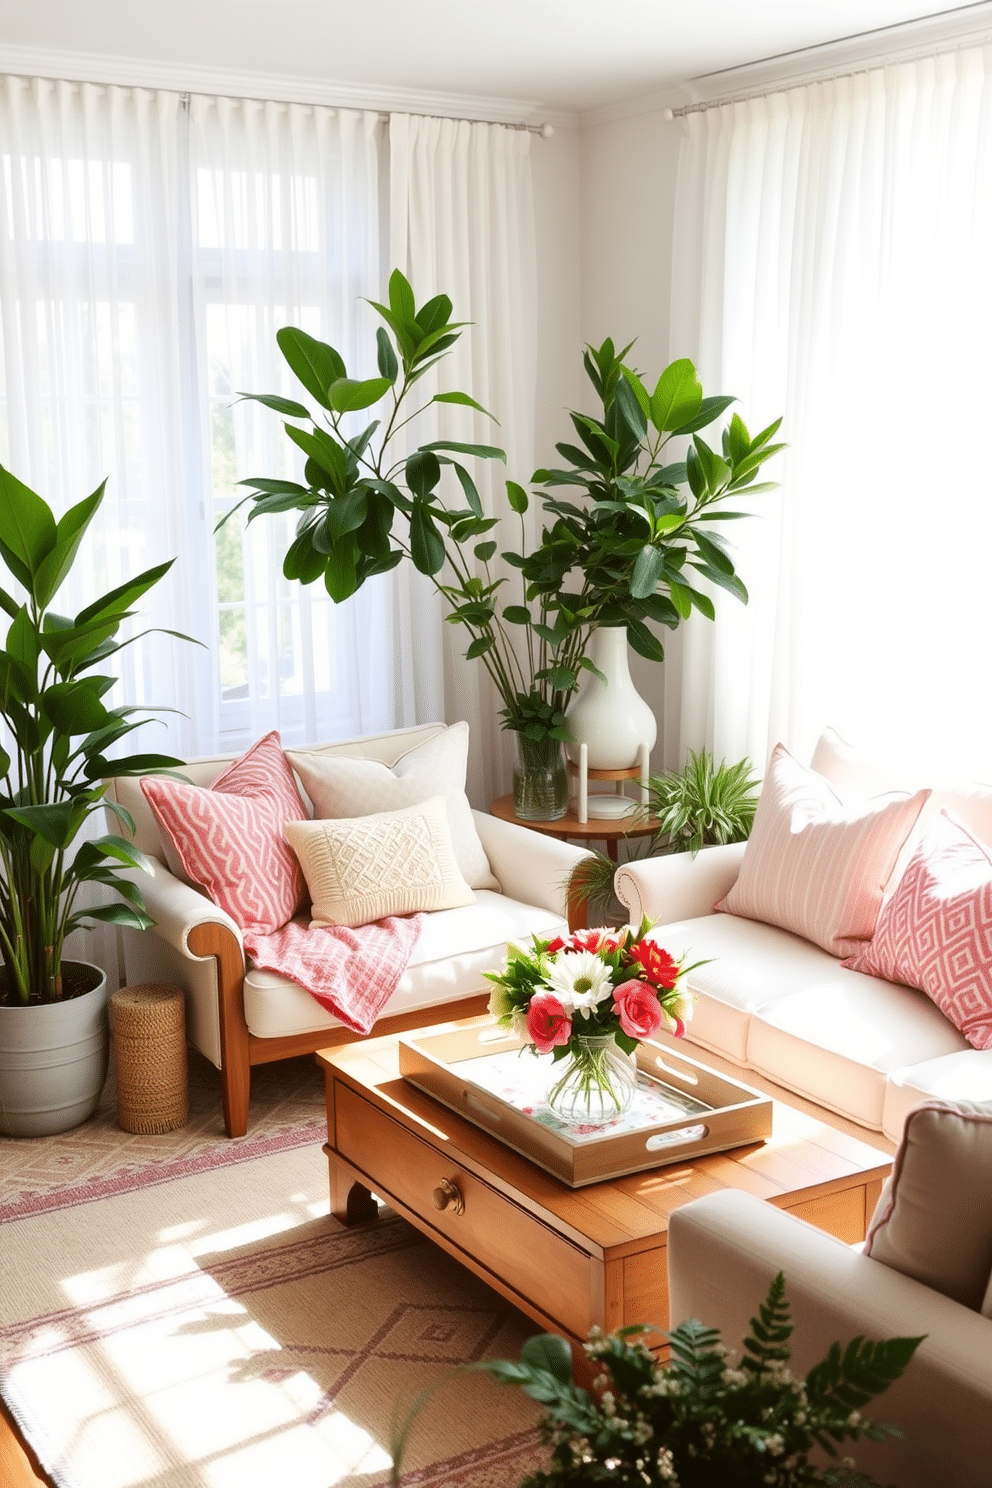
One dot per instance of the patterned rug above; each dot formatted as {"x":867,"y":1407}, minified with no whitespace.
{"x":181,"y":1312}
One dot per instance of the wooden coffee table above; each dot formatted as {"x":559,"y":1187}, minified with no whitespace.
{"x":567,"y":1258}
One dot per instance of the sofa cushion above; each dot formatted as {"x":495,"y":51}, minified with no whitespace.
{"x":455,"y":947}
{"x":230,"y":837}
{"x":834,"y":1041}
{"x":815,"y":866}
{"x":965,"y":1074}
{"x":339,"y":785}
{"x":935,"y":932}
{"x":363,"y":868}
{"x":746,"y":965}
{"x":934,"y":1221}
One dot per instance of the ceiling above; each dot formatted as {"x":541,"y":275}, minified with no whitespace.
{"x":567,"y":55}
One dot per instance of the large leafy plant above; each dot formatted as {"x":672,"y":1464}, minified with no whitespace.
{"x":698,"y":1421}
{"x":631,"y":553}
{"x":59,"y":734}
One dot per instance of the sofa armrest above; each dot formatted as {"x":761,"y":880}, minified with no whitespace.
{"x":678,"y":886}
{"x":723,"y":1251}
{"x":177,"y":908}
{"x":530,"y":866}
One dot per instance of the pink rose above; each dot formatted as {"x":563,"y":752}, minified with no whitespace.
{"x":637,"y":1006}
{"x":548,"y":1024}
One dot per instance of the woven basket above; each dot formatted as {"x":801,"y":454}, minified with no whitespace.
{"x":149,"y":1033}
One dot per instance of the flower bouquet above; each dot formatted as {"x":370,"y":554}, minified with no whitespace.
{"x":588,"y":1000}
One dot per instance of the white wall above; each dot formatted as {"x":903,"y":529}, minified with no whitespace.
{"x":557,"y":170}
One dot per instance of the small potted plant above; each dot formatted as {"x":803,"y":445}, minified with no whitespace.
{"x":56,"y":758}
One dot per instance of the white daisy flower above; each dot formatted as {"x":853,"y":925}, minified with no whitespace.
{"x":580,"y":980}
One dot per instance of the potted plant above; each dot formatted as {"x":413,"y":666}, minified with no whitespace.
{"x":699,"y":1421}
{"x":55,"y":762}
{"x":637,"y":545}
{"x":702,"y":805}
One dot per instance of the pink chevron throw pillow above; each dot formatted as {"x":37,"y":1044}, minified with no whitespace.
{"x":230,"y":839}
{"x":935,"y":933}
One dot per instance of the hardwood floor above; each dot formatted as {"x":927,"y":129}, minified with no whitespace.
{"x":19,"y":1467}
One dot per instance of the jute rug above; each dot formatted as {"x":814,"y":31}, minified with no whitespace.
{"x":187,"y":1315}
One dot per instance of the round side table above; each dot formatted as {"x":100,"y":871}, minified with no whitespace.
{"x":600,"y":829}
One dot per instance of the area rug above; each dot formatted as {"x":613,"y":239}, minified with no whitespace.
{"x":215,"y":1328}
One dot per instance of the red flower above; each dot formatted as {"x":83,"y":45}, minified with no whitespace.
{"x":548,"y":1023}
{"x":556,"y":945}
{"x":637,"y":1006}
{"x":656,"y":964}
{"x":594,"y":941}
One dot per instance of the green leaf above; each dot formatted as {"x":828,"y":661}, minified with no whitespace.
{"x":57,"y":824}
{"x":423,"y":472}
{"x":315,"y":363}
{"x":709,"y":409}
{"x":389,"y":367}
{"x":346,"y":395}
{"x":119,"y":600}
{"x":677,"y":396}
{"x":647,"y":571}
{"x":28,"y":528}
{"x":482,"y":451}
{"x":629,"y":406}
{"x":484,"y":551}
{"x":469,"y":487}
{"x":480,"y":646}
{"x":516,"y":615}
{"x":426,"y":543}
{"x":325,"y":452}
{"x":340,"y":570}
{"x":401,"y":300}
{"x":435,"y":315}
{"x":286,"y":406}
{"x":465,"y":401}
{"x":643,"y":642}
{"x":74,"y":708}
{"x":69,"y":534}
{"x":549,"y":1353}
{"x":517,"y":496}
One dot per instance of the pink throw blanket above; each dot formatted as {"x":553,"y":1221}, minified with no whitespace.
{"x":352,"y":973}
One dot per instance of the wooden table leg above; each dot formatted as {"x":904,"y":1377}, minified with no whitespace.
{"x":351,"y":1202}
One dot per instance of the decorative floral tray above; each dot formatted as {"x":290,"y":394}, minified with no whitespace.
{"x":681,"y":1109}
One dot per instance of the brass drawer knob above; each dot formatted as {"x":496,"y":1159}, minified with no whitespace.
{"x":448,"y":1195}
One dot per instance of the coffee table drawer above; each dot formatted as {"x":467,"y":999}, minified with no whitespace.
{"x":490,"y":1228}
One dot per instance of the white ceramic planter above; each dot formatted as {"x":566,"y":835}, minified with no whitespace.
{"x":611,"y":718}
{"x":53,"y":1062}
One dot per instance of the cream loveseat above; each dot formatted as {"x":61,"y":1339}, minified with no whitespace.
{"x":239,"y":1016}
{"x":771,"y":1001}
{"x":926,"y":1271}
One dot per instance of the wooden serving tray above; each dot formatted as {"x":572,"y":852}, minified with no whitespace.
{"x":682,"y":1108}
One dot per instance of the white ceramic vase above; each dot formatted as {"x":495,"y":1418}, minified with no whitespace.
{"x":611,"y":718}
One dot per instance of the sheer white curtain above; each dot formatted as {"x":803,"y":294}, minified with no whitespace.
{"x":462,"y":223}
{"x":288,"y":230}
{"x":91,"y":306}
{"x":832,"y":255}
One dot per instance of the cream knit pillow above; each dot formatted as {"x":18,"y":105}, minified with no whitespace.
{"x":363,"y":868}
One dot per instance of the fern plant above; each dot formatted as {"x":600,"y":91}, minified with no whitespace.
{"x":698,"y":1421}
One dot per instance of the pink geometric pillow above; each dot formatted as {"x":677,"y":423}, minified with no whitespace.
{"x":814,"y":865}
{"x":935,"y":933}
{"x":229,"y":837}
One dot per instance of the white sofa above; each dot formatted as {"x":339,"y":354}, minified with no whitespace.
{"x":770,"y":1001}
{"x":239,"y":1017}
{"x":927,"y":1273}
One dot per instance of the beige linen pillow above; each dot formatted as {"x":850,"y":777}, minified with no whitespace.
{"x":934,"y":1221}
{"x":339,"y":785}
{"x":362,"y":868}
{"x":814,"y":865}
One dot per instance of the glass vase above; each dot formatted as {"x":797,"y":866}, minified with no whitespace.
{"x":594,"y":1083}
{"x":540,"y":779}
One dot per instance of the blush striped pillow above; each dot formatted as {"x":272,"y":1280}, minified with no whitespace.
{"x":814,"y":865}
{"x":935,"y":933}
{"x":230,"y":839}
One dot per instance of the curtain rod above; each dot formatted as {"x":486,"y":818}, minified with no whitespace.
{"x":544,"y":131}
{"x":769,"y":90}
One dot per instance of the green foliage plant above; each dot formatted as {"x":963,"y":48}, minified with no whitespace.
{"x":59,"y":732}
{"x":702,"y":805}
{"x":629,"y":551}
{"x":697,"y":1421}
